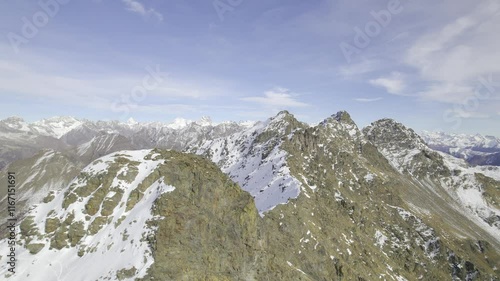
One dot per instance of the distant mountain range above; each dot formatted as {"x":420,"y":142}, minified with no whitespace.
{"x":88,"y":139}
{"x":475,"y":149}
{"x":271,"y":200}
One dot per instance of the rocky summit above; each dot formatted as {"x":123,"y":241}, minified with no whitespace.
{"x":271,"y":200}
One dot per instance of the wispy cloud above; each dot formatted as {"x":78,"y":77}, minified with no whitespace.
{"x":470,"y":114}
{"x":99,"y":92}
{"x":368,"y":99}
{"x":400,"y":37}
{"x":278,"y":97}
{"x":447,"y":92}
{"x":451,"y":59}
{"x":139,"y":8}
{"x":357,"y":69}
{"x":393,"y":84}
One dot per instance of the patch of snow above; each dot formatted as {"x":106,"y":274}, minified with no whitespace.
{"x":380,"y":239}
{"x":369,"y":177}
{"x":114,"y":246}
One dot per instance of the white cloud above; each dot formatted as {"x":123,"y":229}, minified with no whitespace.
{"x":451,"y":59}
{"x":280,"y":97}
{"x":139,"y":8}
{"x":368,"y":99}
{"x":393,"y":84}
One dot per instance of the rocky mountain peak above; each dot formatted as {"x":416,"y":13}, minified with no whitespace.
{"x":284,"y":112}
{"x":340,"y":123}
{"x":179,"y":123}
{"x":14,"y":122}
{"x":343,"y":117}
{"x":58,"y":122}
{"x":56,"y":126}
{"x":131,"y":121}
{"x":205,"y":121}
{"x":283,"y":124}
{"x":406,"y":150}
{"x":61,"y":119}
{"x":13,"y":119}
{"x":388,"y":132}
{"x":283,"y":115}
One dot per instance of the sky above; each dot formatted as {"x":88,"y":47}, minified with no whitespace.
{"x":432,"y":65}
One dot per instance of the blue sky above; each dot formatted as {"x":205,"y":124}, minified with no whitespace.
{"x":433,"y":65}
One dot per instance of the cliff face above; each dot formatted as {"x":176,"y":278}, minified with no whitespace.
{"x":209,"y":228}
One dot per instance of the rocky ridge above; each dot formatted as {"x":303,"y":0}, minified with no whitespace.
{"x":328,"y":202}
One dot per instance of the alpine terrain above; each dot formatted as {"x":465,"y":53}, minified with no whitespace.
{"x":476,"y":149}
{"x":272,"y":200}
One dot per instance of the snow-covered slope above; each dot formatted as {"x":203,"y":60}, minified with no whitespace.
{"x":255,"y":160}
{"x":89,"y":231}
{"x":47,"y":171}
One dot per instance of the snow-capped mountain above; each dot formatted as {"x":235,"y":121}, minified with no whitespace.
{"x":271,"y":200}
{"x":22,"y":139}
{"x":51,"y":127}
{"x":253,"y":159}
{"x":14,"y":123}
{"x":59,"y":126}
{"x":475,"y":149}
{"x":55,"y":127}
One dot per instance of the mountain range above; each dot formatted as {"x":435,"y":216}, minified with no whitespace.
{"x":475,"y":149}
{"x":272,"y":200}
